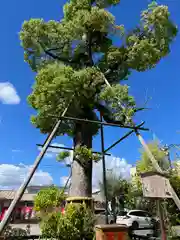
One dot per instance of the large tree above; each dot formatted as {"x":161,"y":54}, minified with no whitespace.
{"x":71,"y":58}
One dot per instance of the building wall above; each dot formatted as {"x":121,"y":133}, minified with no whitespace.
{"x":22,"y":213}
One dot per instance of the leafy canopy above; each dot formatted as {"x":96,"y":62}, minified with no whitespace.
{"x":72,"y":56}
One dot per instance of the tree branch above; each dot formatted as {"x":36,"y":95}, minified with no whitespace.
{"x":54,"y":56}
{"x":90,"y":49}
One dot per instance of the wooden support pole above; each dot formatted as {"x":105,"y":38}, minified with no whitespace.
{"x":161,"y":219}
{"x":24,"y":185}
{"x":145,"y":146}
{"x":149,"y":153}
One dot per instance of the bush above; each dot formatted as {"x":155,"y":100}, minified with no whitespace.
{"x":77,"y":223}
{"x":48,"y":200}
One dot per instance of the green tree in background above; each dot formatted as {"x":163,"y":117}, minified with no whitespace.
{"x":173,"y":212}
{"x":145,"y":163}
{"x":71,"y":57}
{"x":117,"y":193}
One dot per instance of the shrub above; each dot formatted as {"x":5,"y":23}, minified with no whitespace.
{"x":77,"y":223}
{"x":48,"y":200}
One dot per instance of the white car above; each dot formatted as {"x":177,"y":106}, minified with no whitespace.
{"x":136,"y":219}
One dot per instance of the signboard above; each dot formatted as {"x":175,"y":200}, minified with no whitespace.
{"x":155,"y":186}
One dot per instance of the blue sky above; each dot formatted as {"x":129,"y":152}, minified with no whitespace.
{"x":18,"y":137}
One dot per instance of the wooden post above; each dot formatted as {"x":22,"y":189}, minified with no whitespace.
{"x":24,"y":185}
{"x":161,"y":219}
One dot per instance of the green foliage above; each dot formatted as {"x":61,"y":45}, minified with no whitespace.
{"x":54,"y":87}
{"x":173,"y":213}
{"x":77,"y":223}
{"x":81,"y":153}
{"x":117,"y":98}
{"x":47,"y":200}
{"x":118,"y":192}
{"x":145,"y":163}
{"x":63,"y":53}
{"x":63,"y":155}
{"x":84,"y":154}
{"x":106,"y":3}
{"x":115,"y":186}
{"x":152,"y":38}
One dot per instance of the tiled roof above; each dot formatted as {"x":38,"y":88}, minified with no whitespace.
{"x":9,"y":195}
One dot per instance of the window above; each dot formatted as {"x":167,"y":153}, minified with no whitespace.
{"x":140,"y":214}
{"x":136,"y":213}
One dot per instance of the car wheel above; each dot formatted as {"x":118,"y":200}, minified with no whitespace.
{"x":135,"y":225}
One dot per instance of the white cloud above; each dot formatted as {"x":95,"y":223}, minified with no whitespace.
{"x":49,"y":155}
{"x":8,"y":94}
{"x":63,"y":180}
{"x":118,"y":166}
{"x":11,"y":176}
{"x":53,"y":152}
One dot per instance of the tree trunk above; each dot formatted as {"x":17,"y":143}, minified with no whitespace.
{"x":81,"y":180}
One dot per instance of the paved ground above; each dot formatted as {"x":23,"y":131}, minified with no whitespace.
{"x":35,"y":230}
{"x":177,"y":230}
